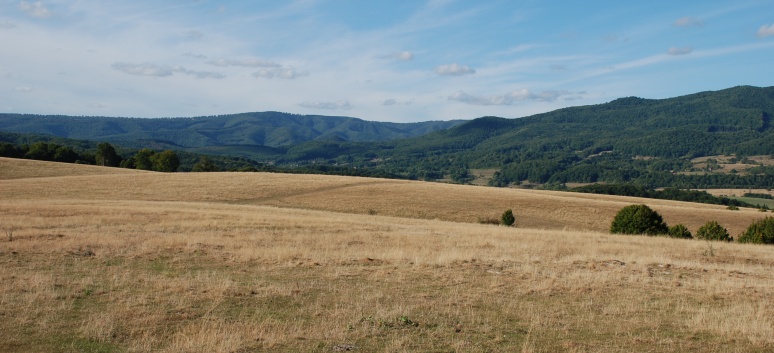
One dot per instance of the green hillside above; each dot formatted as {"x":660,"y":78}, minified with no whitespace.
{"x":267,"y":129}
{"x":628,"y":139}
{"x":651,"y":143}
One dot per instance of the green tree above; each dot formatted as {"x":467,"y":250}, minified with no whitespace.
{"x":638,"y":219}
{"x":680,"y":231}
{"x":205,"y":165}
{"x":107,"y":156}
{"x":166,"y":161}
{"x":40,"y":151}
{"x":8,"y":150}
{"x":127,"y":163}
{"x":65,"y":154}
{"x":507,"y":219}
{"x":759,"y":232}
{"x":713,"y":231}
{"x":142,"y":159}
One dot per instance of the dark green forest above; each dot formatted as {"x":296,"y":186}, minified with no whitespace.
{"x":256,"y":135}
{"x":642,"y":142}
{"x":629,"y":140}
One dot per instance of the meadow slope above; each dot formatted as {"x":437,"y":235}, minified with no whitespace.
{"x":102,"y":260}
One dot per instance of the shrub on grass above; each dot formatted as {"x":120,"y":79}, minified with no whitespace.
{"x":638,"y":219}
{"x":680,"y":231}
{"x":760,"y":232}
{"x":713,"y":231}
{"x":507,"y":218}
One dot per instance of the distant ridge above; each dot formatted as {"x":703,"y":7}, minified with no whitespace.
{"x":270,"y":129}
{"x":649,"y":142}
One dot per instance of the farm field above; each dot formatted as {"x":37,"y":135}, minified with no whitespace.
{"x":111,"y":260}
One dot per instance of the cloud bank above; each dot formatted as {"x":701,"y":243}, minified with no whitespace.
{"x":454,"y":70}
{"x":35,"y":9}
{"x":514,"y":97}
{"x":766,"y":31}
{"x":688,"y":22}
{"x":153,"y":70}
{"x":338,"y":105}
{"x":680,"y":51}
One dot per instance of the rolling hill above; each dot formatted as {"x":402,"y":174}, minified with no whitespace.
{"x":94,"y":259}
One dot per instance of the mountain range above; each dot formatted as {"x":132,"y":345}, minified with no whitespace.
{"x":268,"y":129}
{"x":631,"y":139}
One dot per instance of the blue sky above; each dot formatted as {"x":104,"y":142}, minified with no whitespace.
{"x":376,"y":60}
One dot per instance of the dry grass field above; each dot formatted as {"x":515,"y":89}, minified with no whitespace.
{"x":109,"y":260}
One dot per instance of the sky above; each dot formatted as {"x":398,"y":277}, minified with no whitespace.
{"x":398,"y":60}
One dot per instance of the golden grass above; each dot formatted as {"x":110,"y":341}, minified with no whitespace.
{"x":22,"y":168}
{"x":400,"y":198}
{"x":248,"y":262}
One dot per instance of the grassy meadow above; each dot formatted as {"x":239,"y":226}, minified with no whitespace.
{"x":111,"y":260}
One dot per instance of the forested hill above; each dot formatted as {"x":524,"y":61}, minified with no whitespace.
{"x":270,"y":129}
{"x":628,"y":139}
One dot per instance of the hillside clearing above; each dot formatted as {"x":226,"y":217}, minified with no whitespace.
{"x":241,"y":262}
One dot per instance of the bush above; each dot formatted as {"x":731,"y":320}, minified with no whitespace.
{"x":507,"y":218}
{"x":638,"y":219}
{"x":680,"y":231}
{"x":713,"y":231}
{"x":760,"y":232}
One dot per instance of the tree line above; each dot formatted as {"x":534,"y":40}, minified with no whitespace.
{"x":105,"y":155}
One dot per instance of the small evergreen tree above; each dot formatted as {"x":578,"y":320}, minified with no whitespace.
{"x":507,"y":219}
{"x":713,"y":231}
{"x":680,"y":231}
{"x":638,"y":219}
{"x":760,"y":232}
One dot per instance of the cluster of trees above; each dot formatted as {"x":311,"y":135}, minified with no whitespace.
{"x":147,"y":159}
{"x":46,"y":151}
{"x":105,"y":155}
{"x":664,"y":194}
{"x":641,"y":219}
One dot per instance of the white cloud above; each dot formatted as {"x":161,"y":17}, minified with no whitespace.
{"x":194,"y":35}
{"x":153,"y":70}
{"x":688,"y":22}
{"x":202,"y":74}
{"x":766,"y":31}
{"x":7,"y":25}
{"x":514,"y":97}
{"x":24,"y":89}
{"x":195,"y":56}
{"x":36,"y":9}
{"x":250,"y":62}
{"x":344,"y":105}
{"x":280,"y":72}
{"x":146,"y":69}
{"x":401,"y":55}
{"x":391,"y":102}
{"x":454,"y":70}
{"x":680,"y":51}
